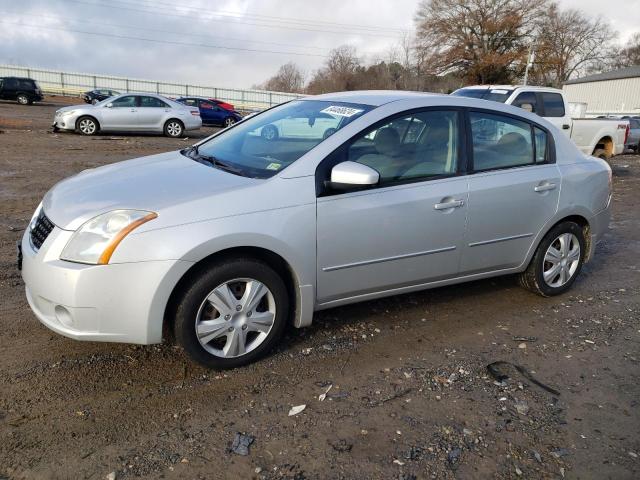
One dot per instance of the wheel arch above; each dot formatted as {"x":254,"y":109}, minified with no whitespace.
{"x":274,"y":260}
{"x":87,"y":116}
{"x":577,"y":218}
{"x":606,"y":144}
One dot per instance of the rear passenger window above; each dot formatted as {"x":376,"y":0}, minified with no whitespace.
{"x":541,"y":145}
{"x":152,"y":102}
{"x":500,"y":142}
{"x":553,"y":105}
{"x":525,"y":99}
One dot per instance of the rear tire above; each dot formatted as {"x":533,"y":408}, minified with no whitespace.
{"x":23,"y":99}
{"x":600,"y":153}
{"x":173,"y":128}
{"x":210,"y":332}
{"x":229,"y":121}
{"x":87,"y":126}
{"x":557,"y":261}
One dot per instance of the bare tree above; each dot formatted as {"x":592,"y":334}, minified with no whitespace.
{"x":629,"y":55}
{"x":570,"y":43}
{"x":288,"y":79}
{"x":339,"y":71}
{"x":484,"y":41}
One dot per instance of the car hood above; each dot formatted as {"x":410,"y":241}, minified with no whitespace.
{"x":158,"y":183}
{"x":74,"y":107}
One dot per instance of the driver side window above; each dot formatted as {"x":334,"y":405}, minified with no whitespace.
{"x":410,"y":148}
{"x":123,"y":102}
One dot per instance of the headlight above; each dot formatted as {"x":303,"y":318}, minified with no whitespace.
{"x":95,"y":241}
{"x":34,"y":218}
{"x":70,"y":112}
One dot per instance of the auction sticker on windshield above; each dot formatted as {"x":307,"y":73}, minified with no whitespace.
{"x":342,"y":111}
{"x":274,"y":166}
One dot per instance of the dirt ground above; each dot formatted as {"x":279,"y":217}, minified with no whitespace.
{"x":410,"y":393}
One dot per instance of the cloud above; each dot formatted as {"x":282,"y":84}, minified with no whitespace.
{"x":307,"y":30}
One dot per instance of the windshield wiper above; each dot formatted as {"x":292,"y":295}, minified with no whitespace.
{"x":212,"y":161}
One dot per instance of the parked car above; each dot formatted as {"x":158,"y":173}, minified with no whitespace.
{"x":320,"y":126}
{"x":598,"y":137}
{"x":227,"y":241}
{"x":24,"y":90}
{"x":633,"y":140}
{"x":213,"y":112}
{"x":95,"y":96}
{"x":129,"y":112}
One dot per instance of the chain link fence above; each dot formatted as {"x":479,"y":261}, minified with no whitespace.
{"x":55,"y":82}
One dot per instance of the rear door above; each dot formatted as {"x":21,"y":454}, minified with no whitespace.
{"x":121,"y":115}
{"x":151,"y":112}
{"x":514,"y":187}
{"x":208,"y":112}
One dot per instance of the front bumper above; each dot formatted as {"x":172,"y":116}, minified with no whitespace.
{"x":62,"y":122}
{"x":110,"y":303}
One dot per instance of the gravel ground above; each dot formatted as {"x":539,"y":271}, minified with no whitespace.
{"x":408,"y":394}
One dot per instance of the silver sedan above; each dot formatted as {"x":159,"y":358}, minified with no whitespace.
{"x":130,"y":112}
{"x":376,"y":194}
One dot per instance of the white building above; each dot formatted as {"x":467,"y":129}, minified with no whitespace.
{"x":610,"y":93}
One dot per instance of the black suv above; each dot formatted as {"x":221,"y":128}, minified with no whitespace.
{"x":95,"y":96}
{"x":24,"y":90}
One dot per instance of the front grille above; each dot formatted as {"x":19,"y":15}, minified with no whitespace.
{"x":41,"y":230}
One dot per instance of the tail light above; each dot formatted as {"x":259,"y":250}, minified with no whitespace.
{"x":195,"y":113}
{"x":626,"y":133}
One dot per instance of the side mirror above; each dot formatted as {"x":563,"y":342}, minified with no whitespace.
{"x":352,"y":175}
{"x":527,"y":106}
{"x":109,"y":105}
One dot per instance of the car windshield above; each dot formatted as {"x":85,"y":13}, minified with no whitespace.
{"x":493,"y":94}
{"x":263,"y":145}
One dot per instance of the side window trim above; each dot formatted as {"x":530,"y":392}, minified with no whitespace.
{"x":550,"y":156}
{"x":462,"y":161}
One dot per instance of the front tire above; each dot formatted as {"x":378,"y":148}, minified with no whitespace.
{"x":557,"y":261}
{"x":173,"y":128}
{"x":232,"y":313}
{"x":269,"y":132}
{"x":87,"y":126}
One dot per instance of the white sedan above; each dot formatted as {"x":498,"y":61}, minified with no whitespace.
{"x":130,"y":112}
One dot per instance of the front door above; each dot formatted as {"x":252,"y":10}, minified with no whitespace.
{"x":407,"y":231}
{"x":121,"y":115}
{"x":513,"y":191}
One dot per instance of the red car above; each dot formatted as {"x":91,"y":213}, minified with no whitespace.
{"x":193,"y":101}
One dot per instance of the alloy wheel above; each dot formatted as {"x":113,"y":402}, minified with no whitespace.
{"x":22,"y":99}
{"x":229,"y":121}
{"x":87,"y":126}
{"x":174,"y":129}
{"x":561,"y":260}
{"x":235,"y":318}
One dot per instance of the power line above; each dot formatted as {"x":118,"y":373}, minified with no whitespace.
{"x":168,"y":42}
{"x":174,"y":14}
{"x":114,"y":25}
{"x":272,"y":18}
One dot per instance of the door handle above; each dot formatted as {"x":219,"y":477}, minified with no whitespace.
{"x":545,"y":187}
{"x":448,"y":205}
{"x":565,"y":127}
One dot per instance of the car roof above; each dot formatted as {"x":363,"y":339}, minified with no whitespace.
{"x":374,"y":98}
{"x":512,"y":87}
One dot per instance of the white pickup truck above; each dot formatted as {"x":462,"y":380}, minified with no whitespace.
{"x":600,"y":137}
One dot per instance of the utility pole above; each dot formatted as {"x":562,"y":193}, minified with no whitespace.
{"x":530,"y":59}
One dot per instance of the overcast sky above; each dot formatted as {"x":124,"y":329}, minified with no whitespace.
{"x":228,"y":43}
